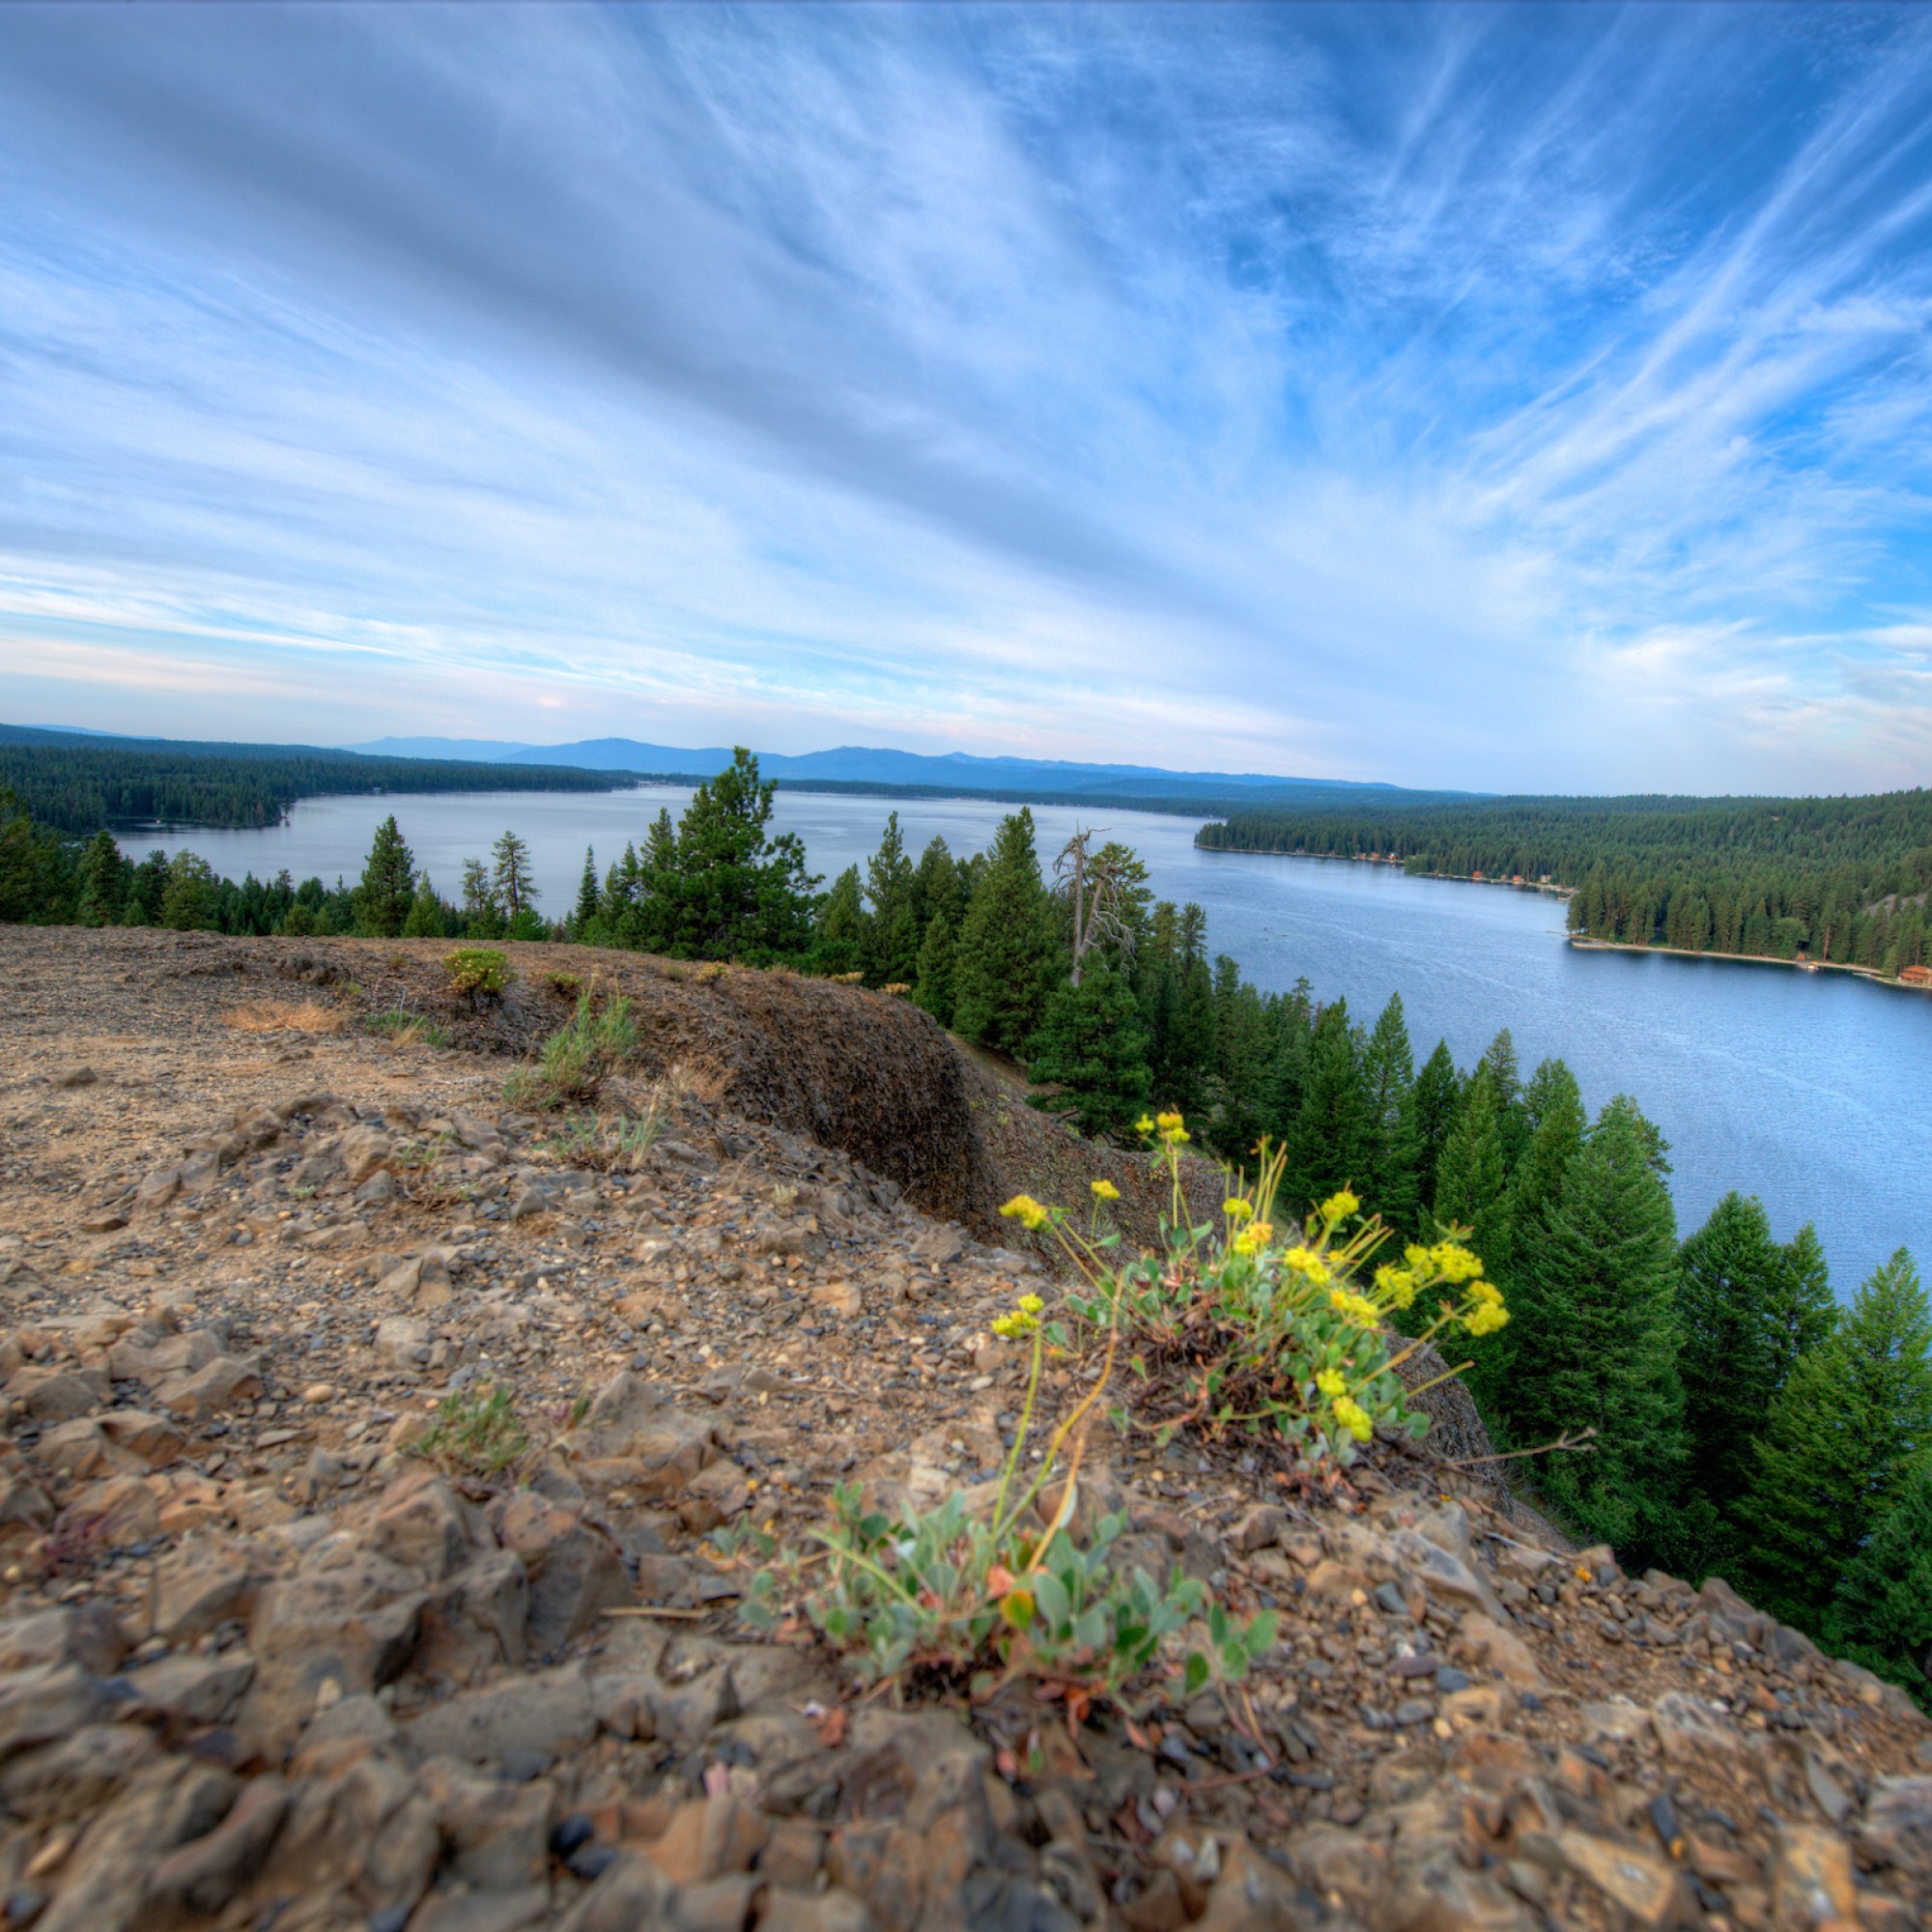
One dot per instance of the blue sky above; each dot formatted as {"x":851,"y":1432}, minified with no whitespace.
{"x":1521,"y":398}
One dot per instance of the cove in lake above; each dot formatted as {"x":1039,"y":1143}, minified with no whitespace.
{"x":1806,"y":1090}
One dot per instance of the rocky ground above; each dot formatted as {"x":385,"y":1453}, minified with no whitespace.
{"x":279,"y":1648}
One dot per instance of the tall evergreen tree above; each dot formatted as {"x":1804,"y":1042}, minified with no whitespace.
{"x":1735,"y":1311}
{"x":1854,"y":1416}
{"x":1513,"y":1128}
{"x":892,"y":934}
{"x":482,"y":910}
{"x":388,"y":883}
{"x":1471,"y":1180}
{"x":1881,"y":1612}
{"x":1388,"y":1079}
{"x":843,"y":927}
{"x":938,"y":886}
{"x":1092,"y":1045}
{"x":585,"y":915}
{"x":425,"y":919}
{"x":1327,"y":1144}
{"x":1594,"y":1317}
{"x":1438,"y":1099}
{"x":1554,"y":1106}
{"x":1003,"y":966}
{"x":932,"y":973}
{"x":103,"y":882}
{"x":510,"y":877}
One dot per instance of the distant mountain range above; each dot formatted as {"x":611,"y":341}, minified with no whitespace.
{"x":864,"y":765}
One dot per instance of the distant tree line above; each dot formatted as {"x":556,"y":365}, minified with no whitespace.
{"x":1744,"y":1424}
{"x":73,"y":787}
{"x":1843,"y":880}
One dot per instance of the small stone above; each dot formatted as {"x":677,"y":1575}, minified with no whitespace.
{"x":319,"y":1393}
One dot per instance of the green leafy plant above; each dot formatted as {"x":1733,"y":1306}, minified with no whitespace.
{"x":475,"y":1430}
{"x":406,"y":1029}
{"x":979,"y":1594}
{"x":569,"y":985}
{"x":576,"y":1057}
{"x":1254,"y":1325}
{"x":477,"y":972}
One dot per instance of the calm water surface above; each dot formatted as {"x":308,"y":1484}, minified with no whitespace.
{"x":1807,"y":1090}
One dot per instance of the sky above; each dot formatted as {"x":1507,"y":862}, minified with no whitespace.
{"x":1506,"y":399}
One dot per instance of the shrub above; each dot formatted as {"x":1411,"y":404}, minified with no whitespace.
{"x":477,"y":972}
{"x":569,"y":985}
{"x":576,"y":1057}
{"x":711,"y":971}
{"x":1246,"y":1326}
{"x":406,"y":1029}
{"x":977,"y":1595}
{"x":474,"y":1430}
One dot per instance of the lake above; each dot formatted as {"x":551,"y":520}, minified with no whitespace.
{"x":1806,"y":1089}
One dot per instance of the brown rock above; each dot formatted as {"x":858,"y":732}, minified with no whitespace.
{"x":199,"y":1585}
{"x":47,"y":1701}
{"x":152,"y":1441}
{"x":1896,"y":1829}
{"x":1502,"y":1650}
{"x":195,"y":1689}
{"x":547,"y":1714}
{"x":78,"y":1775}
{"x":208,"y":1872}
{"x":1812,"y":1887}
{"x":210,"y":1390}
{"x":53,"y":1395}
{"x":576,"y":1571}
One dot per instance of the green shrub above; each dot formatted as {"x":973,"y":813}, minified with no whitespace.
{"x":406,"y":1029}
{"x":477,"y":972}
{"x":474,"y":1430}
{"x":576,"y":1057}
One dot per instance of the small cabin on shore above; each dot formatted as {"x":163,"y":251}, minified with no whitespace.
{"x":1915,"y":976}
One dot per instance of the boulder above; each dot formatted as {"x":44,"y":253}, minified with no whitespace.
{"x":545,"y":1715}
{"x":575,"y":1573}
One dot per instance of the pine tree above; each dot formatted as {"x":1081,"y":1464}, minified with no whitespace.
{"x":1327,"y":1144}
{"x":1438,"y":1099}
{"x":1812,"y":1313}
{"x":725,"y":886}
{"x":482,"y":910}
{"x":1003,"y":966}
{"x":1500,"y":1063}
{"x":1388,"y":1079}
{"x":891,"y":950}
{"x":102,"y":881}
{"x":1471,"y":1182}
{"x":388,"y":883}
{"x":843,"y":927}
{"x":426,"y":913}
{"x":1593,"y":1317}
{"x":1734,"y":1308}
{"x":510,"y":879}
{"x":1854,"y":1416}
{"x":1471,"y":1192}
{"x":1242,"y":1040}
{"x":1092,"y":1047}
{"x":188,"y":901}
{"x":932,"y":976}
{"x":585,"y":914}
{"x":1553,"y":1104}
{"x":1880,"y":1613}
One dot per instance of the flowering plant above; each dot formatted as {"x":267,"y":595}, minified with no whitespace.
{"x":1256,"y":1324}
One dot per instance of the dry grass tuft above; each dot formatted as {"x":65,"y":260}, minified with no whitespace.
{"x":285,"y":1016}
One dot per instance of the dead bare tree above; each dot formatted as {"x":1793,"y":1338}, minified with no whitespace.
{"x":1091,"y":884}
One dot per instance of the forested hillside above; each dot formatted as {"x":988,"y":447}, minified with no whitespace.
{"x":1839,"y":879}
{"x":75,"y":783}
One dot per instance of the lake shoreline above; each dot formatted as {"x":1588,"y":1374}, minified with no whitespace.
{"x":1579,"y":942}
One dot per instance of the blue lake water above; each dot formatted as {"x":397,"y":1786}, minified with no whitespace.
{"x":1807,"y":1090}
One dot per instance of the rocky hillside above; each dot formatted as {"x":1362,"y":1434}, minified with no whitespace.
{"x":292,"y":1640}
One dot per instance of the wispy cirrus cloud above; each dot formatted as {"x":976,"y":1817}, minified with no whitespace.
{"x":1474,"y":397}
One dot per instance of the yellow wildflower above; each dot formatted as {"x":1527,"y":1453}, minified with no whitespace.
{"x":1145,"y":1124}
{"x":1486,"y":1291}
{"x":1355,"y":1308}
{"x":1416,"y":1259}
{"x":1339,"y":1207}
{"x":1170,"y":1123}
{"x":1454,"y":1262}
{"x":1025,"y":1208}
{"x":1487,"y":1319}
{"x":1104,"y":1190}
{"x":1332,"y":1383}
{"x":1254,"y":1237}
{"x":1031,"y":1304}
{"x":1398,"y":1283}
{"x":1237,"y":1209}
{"x":1353,"y":1417}
{"x":1304,"y":1260}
